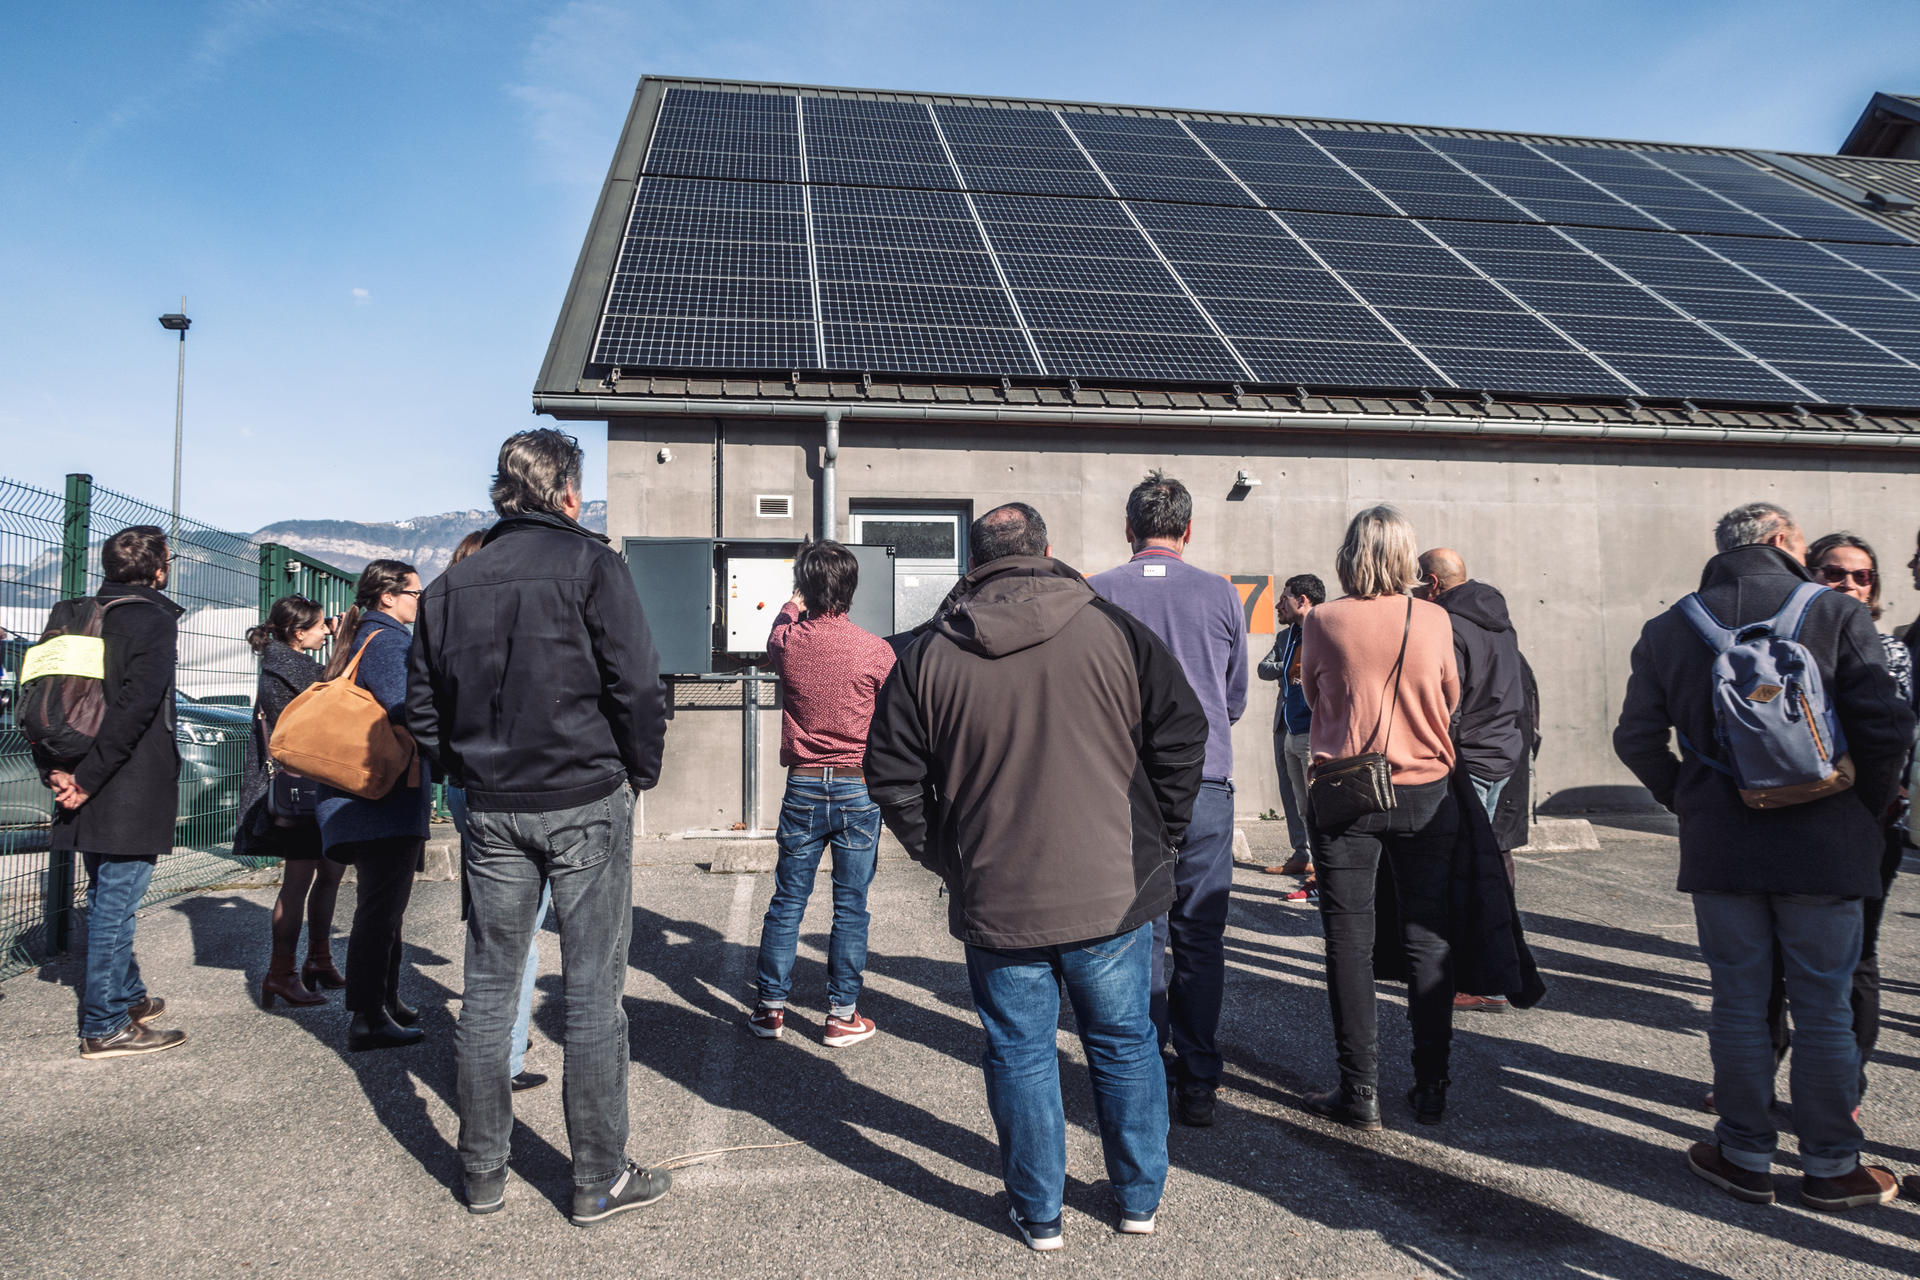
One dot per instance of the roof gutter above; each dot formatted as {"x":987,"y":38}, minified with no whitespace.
{"x":604,"y":407}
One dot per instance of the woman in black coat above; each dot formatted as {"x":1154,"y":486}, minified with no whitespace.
{"x":277,"y":809}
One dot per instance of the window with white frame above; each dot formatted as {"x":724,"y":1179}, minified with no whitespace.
{"x":929,"y":551}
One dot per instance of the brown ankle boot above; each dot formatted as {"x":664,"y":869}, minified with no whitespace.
{"x":318,"y":972}
{"x":283,"y":982}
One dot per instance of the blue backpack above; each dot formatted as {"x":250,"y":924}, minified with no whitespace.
{"x":1775,"y":727}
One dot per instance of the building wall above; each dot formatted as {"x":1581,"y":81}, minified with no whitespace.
{"x":1586,"y":541}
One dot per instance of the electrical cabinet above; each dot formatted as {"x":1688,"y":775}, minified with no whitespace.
{"x":710,"y":602}
{"x":756,"y":588}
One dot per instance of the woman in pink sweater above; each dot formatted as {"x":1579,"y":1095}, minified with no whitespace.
{"x":1377,"y":668}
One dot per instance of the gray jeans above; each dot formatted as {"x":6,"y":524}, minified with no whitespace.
{"x":1295,"y":756}
{"x":1818,"y":939}
{"x":585,"y":855}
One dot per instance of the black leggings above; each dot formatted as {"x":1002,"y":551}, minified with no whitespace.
{"x":385,"y":869}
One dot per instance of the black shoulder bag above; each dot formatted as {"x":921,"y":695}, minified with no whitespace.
{"x":291,"y":797}
{"x":1355,"y":786}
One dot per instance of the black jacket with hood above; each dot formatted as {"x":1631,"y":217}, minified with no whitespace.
{"x":533,"y":680}
{"x":1828,"y":846}
{"x":1040,"y":749}
{"x":1489,"y":725}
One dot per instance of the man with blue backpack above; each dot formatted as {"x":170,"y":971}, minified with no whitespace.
{"x":1791,"y":737}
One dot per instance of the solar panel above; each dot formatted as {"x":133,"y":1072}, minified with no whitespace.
{"x":777,"y":229}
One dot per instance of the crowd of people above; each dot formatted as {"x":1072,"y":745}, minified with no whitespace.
{"x":1057,"y":749}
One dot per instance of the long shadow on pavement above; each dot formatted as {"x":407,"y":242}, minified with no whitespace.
{"x":232,"y":933}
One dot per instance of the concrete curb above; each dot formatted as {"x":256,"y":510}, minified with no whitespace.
{"x":1560,"y":835}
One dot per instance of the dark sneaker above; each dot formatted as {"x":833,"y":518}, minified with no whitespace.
{"x":632,"y":1188}
{"x":768,"y":1023}
{"x":1040,"y":1236}
{"x":851,"y":1029}
{"x":1356,"y":1106}
{"x":1755,"y":1187}
{"x":134,"y":1038}
{"x":1464,"y":1003}
{"x":149,"y":1008}
{"x":1866,"y":1185}
{"x":1429,"y":1099}
{"x":1136,"y":1224}
{"x":1193,"y":1103}
{"x":527,"y":1080}
{"x":487,"y":1192}
{"x":1910,"y":1186}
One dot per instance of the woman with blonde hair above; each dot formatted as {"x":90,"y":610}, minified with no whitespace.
{"x":1377,"y":669}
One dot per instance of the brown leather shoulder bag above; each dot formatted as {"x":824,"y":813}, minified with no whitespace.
{"x":338,"y":733}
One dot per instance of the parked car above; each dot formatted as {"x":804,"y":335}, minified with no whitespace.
{"x":213,"y":751}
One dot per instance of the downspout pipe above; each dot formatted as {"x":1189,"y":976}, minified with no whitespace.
{"x":603,"y":407}
{"x":829,"y":478}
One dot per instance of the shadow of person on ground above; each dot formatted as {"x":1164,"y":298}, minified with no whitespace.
{"x":231,"y":932}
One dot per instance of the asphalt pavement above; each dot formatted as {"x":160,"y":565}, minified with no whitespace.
{"x":263,"y":1147}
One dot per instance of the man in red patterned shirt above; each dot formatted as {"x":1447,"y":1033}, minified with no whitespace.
{"x":831,"y":670}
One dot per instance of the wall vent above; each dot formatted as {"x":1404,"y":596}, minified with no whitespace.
{"x":773,"y":506}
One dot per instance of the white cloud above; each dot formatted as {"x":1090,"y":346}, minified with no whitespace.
{"x":361,"y":297}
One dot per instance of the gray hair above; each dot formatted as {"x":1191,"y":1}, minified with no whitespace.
{"x":1753,"y":523}
{"x":535,"y":470}
{"x":1376,"y":558}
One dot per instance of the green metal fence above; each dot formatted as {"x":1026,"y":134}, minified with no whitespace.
{"x":50,"y":550}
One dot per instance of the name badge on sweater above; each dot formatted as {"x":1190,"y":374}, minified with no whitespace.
{"x":1154,"y":571}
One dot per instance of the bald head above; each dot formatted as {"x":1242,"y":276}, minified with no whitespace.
{"x":1441,"y":570}
{"x":1014,"y":529}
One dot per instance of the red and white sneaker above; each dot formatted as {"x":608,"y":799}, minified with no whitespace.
{"x":1306,"y":895}
{"x":851,"y":1029}
{"x":768,"y":1023}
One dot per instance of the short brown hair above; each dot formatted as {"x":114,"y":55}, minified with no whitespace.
{"x":826,"y":575}
{"x":135,"y":556}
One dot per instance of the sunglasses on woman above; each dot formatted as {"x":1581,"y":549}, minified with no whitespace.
{"x":1835,"y":575}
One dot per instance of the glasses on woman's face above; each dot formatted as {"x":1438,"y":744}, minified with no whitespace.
{"x":417,"y":591}
{"x":1835,"y":575}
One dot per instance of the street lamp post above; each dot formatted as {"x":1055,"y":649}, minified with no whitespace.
{"x":178,"y":321}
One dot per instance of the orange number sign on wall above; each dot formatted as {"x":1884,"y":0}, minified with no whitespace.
{"x":1256,"y":597}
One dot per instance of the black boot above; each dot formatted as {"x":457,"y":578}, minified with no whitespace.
{"x":404,"y":1014}
{"x":377,"y":1031}
{"x":1429,"y":1099}
{"x":1355,"y":1105}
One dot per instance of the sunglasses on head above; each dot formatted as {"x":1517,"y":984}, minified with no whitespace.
{"x":1835,"y":575}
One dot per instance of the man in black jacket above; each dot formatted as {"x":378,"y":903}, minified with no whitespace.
{"x":1040,"y":749}
{"x":1488,"y":723}
{"x":534,"y":684}
{"x":1491,"y":724}
{"x":1791,"y":878}
{"x":118,"y":805}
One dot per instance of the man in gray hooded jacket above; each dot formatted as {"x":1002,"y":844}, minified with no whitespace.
{"x":1040,"y":749}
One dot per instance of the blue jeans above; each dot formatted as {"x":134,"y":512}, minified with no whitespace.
{"x":523,"y":1021}
{"x":816,"y":812}
{"x":1489,"y":792}
{"x":1818,"y":940}
{"x":1186,"y":1004}
{"x":115,"y":887}
{"x":584,"y":856}
{"x":1018,"y":995}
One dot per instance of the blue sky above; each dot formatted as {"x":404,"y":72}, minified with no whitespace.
{"x":373,"y":208}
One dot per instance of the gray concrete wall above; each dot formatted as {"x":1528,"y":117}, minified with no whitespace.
{"x":1587,"y":541}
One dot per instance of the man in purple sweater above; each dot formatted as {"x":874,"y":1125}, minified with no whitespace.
{"x":1199,"y":616}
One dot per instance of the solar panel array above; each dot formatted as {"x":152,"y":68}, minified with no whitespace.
{"x":782,"y":231}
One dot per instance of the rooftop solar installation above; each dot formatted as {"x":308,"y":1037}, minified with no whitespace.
{"x":780,"y":230}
